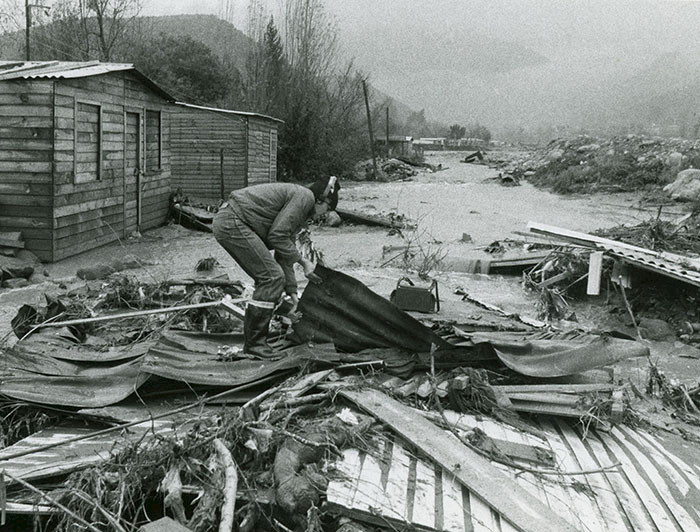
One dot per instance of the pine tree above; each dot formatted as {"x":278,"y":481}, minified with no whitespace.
{"x":274,"y":70}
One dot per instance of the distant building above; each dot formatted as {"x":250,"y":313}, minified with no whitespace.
{"x":215,"y":151}
{"x":430,"y":143}
{"x":84,"y":154}
{"x":399,"y":145}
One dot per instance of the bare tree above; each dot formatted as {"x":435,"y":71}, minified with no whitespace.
{"x":86,"y":29}
{"x":112,"y":19}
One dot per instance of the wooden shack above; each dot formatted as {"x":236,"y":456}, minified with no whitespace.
{"x":215,"y":151}
{"x":84,"y":154}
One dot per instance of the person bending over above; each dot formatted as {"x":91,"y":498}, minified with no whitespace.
{"x":262,"y":218}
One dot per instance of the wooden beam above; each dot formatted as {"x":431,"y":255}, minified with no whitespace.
{"x":525,"y":512}
{"x":595,"y":272}
{"x":555,"y":388}
{"x":226,"y":303}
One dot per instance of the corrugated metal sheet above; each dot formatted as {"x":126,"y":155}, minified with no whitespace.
{"x":344,"y":311}
{"x":228,"y":111}
{"x":679,"y":267}
{"x":653,"y":263}
{"x":656,"y":489}
{"x":10,"y":70}
{"x":193,"y":359}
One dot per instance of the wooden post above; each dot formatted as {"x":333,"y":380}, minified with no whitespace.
{"x":369,"y":126}
{"x":387,"y":133}
{"x":221,"y":171}
{"x":28,"y":20}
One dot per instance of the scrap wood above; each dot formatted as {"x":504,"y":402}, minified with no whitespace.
{"x":299,"y":388}
{"x":606,"y":244}
{"x":555,"y":388}
{"x":11,"y":239}
{"x":227,"y":303}
{"x":522,"y":510}
{"x":224,"y":283}
{"x":370,"y":219}
{"x":515,"y":450}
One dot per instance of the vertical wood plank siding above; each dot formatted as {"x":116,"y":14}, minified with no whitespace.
{"x":262,"y":136}
{"x":198,"y":137}
{"x":26,"y":121}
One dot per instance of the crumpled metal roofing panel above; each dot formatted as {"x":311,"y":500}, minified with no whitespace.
{"x":657,"y":265}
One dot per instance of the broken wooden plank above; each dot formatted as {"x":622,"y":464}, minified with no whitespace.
{"x":226,"y":303}
{"x":522,"y":510}
{"x":369,"y":219}
{"x":566,"y":399}
{"x":299,"y":388}
{"x":595,"y":273}
{"x":554,"y":279}
{"x":547,"y":409}
{"x":555,"y":388}
{"x":11,"y":239}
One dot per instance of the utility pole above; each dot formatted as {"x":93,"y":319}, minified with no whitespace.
{"x":28,"y":17}
{"x":369,"y":125}
{"x":387,"y":127}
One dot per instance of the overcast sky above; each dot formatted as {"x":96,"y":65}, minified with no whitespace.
{"x":513,"y":62}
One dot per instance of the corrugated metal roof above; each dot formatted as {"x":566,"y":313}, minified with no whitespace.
{"x":10,"y":70}
{"x":228,"y":111}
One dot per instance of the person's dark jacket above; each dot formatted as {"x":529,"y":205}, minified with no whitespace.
{"x":276,"y":212}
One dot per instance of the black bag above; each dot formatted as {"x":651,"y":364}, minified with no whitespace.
{"x":416,"y":298}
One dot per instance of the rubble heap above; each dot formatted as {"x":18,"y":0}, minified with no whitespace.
{"x":387,"y":170}
{"x":617,"y":164}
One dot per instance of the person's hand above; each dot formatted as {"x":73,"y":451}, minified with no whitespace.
{"x":309,"y":268}
{"x":295,"y":301}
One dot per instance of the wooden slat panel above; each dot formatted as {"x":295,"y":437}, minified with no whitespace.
{"x":678,"y":512}
{"x":654,"y":508}
{"x":609,"y":509}
{"x":583,"y":507}
{"x":480,"y":477}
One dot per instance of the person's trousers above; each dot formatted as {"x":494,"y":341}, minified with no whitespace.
{"x":251,"y":254}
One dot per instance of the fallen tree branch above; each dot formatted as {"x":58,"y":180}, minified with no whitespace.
{"x":228,"y":507}
{"x":51,"y":501}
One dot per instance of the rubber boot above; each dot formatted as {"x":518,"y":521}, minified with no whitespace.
{"x":256,"y":325}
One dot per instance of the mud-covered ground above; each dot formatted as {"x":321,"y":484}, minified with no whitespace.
{"x":462,"y":198}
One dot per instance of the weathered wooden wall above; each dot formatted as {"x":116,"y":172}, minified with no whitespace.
{"x":262,"y":151}
{"x":206,"y":145}
{"x":89,"y":164}
{"x":209,"y":147}
{"x":62,"y":165}
{"x":26,"y":142}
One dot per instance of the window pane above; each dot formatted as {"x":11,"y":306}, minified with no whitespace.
{"x":152,"y":140}
{"x":87,"y":142}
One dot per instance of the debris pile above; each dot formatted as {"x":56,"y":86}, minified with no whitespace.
{"x":387,"y":170}
{"x":624,"y":163}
